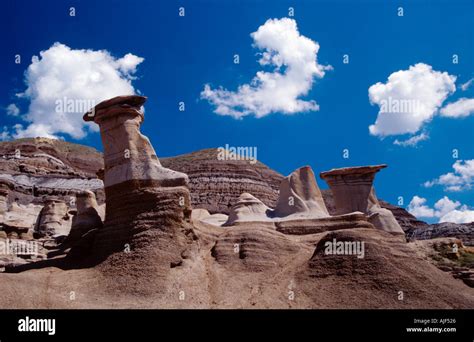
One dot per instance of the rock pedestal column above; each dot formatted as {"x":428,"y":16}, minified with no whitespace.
{"x":53,"y":219}
{"x":143,"y":199}
{"x":87,"y":216}
{"x":352,"y":188}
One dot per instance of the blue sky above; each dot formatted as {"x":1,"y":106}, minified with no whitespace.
{"x":182,"y":54}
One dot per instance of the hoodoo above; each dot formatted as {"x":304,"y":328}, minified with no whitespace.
{"x":352,"y":188}
{"x":146,"y":204}
{"x":53,"y":220}
{"x":128,"y":154}
{"x":87,"y":216}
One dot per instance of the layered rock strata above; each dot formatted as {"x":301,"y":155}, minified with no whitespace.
{"x":37,"y":168}
{"x":319,"y":225}
{"x":463,"y":231}
{"x":216,"y":184}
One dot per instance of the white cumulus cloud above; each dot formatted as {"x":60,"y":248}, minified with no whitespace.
{"x":293,"y":58}
{"x":409,"y":99}
{"x":62,"y":82}
{"x":445,"y":206}
{"x":418,"y":207}
{"x":445,"y":209}
{"x":458,"y":216}
{"x":460,"y":179}
{"x":461,"y":108}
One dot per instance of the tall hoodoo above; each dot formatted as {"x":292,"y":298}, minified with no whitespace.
{"x":128,"y":154}
{"x":142,"y":197}
{"x":352,"y":188}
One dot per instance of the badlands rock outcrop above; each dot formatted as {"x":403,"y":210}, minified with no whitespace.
{"x":207,"y":182}
{"x":53,"y":219}
{"x":352,"y":188}
{"x":382,"y":218}
{"x":406,"y":220}
{"x":35,"y":170}
{"x":300,"y":209}
{"x":19,"y":221}
{"x":300,"y":195}
{"x":86,"y":217}
{"x":147,"y":205}
{"x":39,"y":167}
{"x":247,"y":208}
{"x":304,"y":226}
{"x":153,"y":251}
{"x":462,"y":231}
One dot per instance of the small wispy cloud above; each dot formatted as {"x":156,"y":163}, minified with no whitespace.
{"x":458,"y":109}
{"x":413,"y":141}
{"x":12,"y":110}
{"x":465,"y":86}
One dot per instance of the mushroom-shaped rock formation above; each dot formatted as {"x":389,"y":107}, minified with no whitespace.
{"x":147,"y":205}
{"x":247,"y":208}
{"x":300,"y":194}
{"x":128,"y":154}
{"x":87,"y":216}
{"x":352,"y":188}
{"x":53,"y":219}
